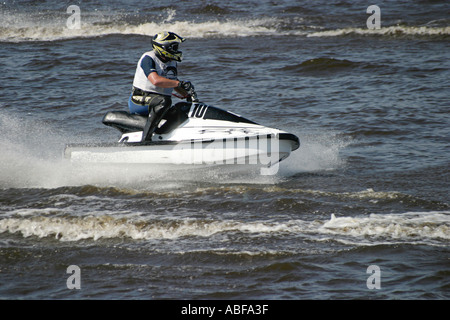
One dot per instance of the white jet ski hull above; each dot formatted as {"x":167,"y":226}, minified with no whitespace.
{"x":262,"y":151}
{"x":216,"y":137}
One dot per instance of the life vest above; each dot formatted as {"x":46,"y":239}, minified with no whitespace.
{"x":166,"y":70}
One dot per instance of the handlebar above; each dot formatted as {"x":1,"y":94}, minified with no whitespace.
{"x":190,"y":97}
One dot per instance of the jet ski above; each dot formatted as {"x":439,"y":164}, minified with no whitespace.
{"x":190,"y":133}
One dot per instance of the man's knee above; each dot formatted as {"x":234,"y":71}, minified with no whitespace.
{"x":163,"y":105}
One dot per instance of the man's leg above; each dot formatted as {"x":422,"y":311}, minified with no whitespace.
{"x":157,"y":107}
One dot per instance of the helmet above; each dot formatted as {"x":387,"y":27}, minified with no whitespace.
{"x":165,"y":45}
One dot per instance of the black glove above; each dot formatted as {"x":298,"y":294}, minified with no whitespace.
{"x":186,"y":85}
{"x":189,"y":88}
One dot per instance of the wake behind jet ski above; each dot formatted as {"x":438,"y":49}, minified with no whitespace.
{"x":191,"y":133}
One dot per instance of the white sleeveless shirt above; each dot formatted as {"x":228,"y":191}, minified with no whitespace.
{"x":167,"y":70}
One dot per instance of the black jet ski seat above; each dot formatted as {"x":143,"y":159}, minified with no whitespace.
{"x":124,"y":121}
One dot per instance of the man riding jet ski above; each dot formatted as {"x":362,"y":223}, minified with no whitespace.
{"x":191,"y":132}
{"x":154,"y":81}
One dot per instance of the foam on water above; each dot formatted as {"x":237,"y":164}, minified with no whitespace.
{"x":25,"y":27}
{"x":32,"y":157}
{"x":432,"y":228}
{"x":105,"y":227}
{"x":385,"y":31}
{"x":414,"y":227}
{"x":17,"y":27}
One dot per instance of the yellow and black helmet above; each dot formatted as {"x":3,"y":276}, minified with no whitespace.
{"x":165,"y":45}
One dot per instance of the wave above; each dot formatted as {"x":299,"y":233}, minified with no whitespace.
{"x":415,"y":227}
{"x":327,"y":65}
{"x":432,"y":228}
{"x":211,"y":9}
{"x":368,"y":195}
{"x":107,"y":227}
{"x":393,"y":31}
{"x":25,"y":28}
{"x":365,"y":194}
{"x":19,"y":27}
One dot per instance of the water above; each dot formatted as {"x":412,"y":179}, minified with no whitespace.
{"x":368,"y":186}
